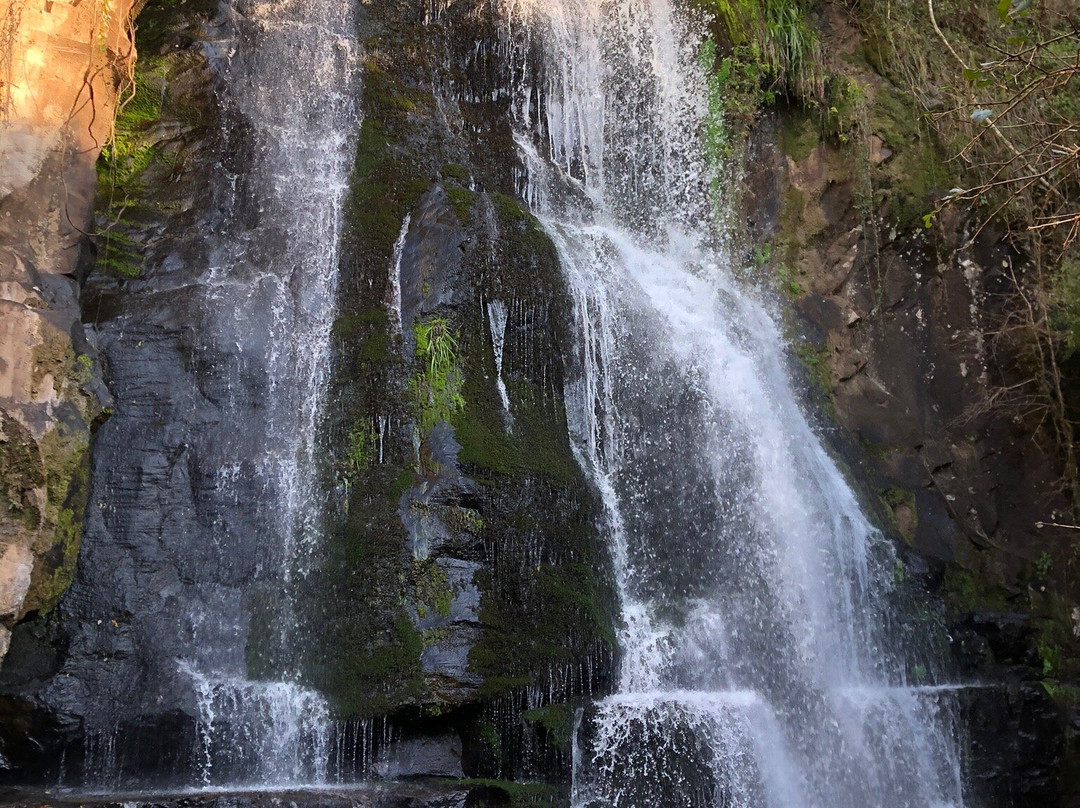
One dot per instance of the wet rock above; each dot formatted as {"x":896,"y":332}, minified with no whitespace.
{"x":903,"y":313}
{"x":396,"y":795}
{"x":422,"y":757}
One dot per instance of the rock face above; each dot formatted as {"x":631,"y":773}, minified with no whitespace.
{"x":890,"y":323}
{"x":467,"y":559}
{"x":404,"y":795}
{"x":65,"y":62}
{"x":462,"y":602}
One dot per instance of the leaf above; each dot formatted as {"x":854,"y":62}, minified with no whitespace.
{"x":972,"y":74}
{"x":982,"y":115}
{"x":928,"y":220}
{"x":1004,"y":8}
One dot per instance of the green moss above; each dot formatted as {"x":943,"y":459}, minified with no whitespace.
{"x":514,"y":795}
{"x":133,"y":147}
{"x":793,"y":231}
{"x":353,"y":324}
{"x":461,"y":201}
{"x":895,"y":496}
{"x":432,"y":592}
{"x":117,"y":252}
{"x":556,"y":719}
{"x":367,"y":653}
{"x":387,"y":97}
{"x":63,"y":453}
{"x":383,"y":190}
{"x":20,"y":471}
{"x":1066,"y":696}
{"x":453,"y":171}
{"x":798,"y":136}
{"x":917,"y":169}
{"x":402,"y":483}
{"x":62,"y":558}
{"x":966,"y":592}
{"x":379,"y":676}
{"x":361,"y":448}
{"x":66,"y":466}
{"x":555,"y":613}
{"x":526,"y":232}
{"x":816,"y":362}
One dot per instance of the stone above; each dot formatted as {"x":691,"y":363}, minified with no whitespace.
{"x":438,"y":756}
{"x":16,"y":565}
{"x":64,"y":63}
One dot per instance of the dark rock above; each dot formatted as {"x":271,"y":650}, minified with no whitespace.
{"x":422,"y":757}
{"x":397,"y":795}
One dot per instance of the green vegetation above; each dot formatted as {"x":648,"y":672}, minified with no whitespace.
{"x":966,"y":592}
{"x":383,"y":190}
{"x":816,"y":362}
{"x":772,"y":42}
{"x":136,"y":151}
{"x":1042,"y":566}
{"x":525,"y":489}
{"x":509,"y":794}
{"x":556,"y":719}
{"x":437,"y":388}
{"x":461,"y":201}
{"x":360,"y":448}
{"x":132,"y":148}
{"x":432,"y":591}
{"x":1064,"y":304}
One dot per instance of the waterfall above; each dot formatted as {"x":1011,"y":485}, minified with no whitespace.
{"x":758,"y":667}
{"x":289,"y":78}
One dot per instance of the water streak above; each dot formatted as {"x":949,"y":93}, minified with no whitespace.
{"x":497,"y":318}
{"x":289,"y":77}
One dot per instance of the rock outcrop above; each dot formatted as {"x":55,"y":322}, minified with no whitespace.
{"x":462,"y":600}
{"x":890,"y":321}
{"x":64,"y":62}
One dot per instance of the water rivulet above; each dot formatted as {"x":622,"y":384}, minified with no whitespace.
{"x":182,"y":649}
{"x":759,"y":667}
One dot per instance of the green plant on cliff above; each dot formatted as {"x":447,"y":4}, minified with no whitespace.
{"x":771,"y":41}
{"x":130,"y":151}
{"x":360,"y":448}
{"x":433,"y":594}
{"x":437,"y":388}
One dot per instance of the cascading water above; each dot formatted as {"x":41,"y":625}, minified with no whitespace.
{"x":290,"y":79}
{"x":758,"y":669}
{"x":208,"y":479}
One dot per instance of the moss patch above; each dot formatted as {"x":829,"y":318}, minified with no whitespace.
{"x":557,"y":720}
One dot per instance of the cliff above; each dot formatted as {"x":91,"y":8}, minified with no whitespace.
{"x":65,"y":65}
{"x":462,"y":602}
{"x":898,"y":302}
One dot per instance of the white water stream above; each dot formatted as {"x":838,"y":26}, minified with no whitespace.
{"x":758,"y":667}
{"x":290,"y":77}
